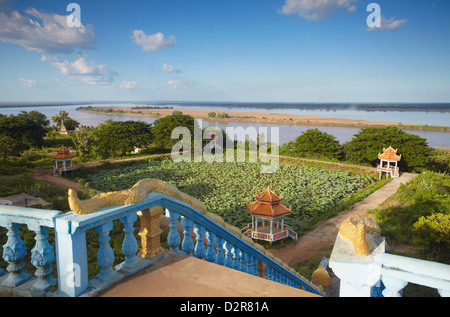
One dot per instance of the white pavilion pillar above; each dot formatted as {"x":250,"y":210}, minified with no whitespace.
{"x":271,"y":224}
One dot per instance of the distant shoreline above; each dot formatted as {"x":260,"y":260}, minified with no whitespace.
{"x":420,"y":107}
{"x":257,"y":117}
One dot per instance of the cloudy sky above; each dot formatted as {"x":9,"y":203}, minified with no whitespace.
{"x":204,"y":50}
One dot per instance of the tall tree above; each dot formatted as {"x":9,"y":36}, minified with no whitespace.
{"x":118,"y":137}
{"x":312,"y":143}
{"x":162,"y":129}
{"x":369,"y":142}
{"x":61,"y":116}
{"x":23,"y":129}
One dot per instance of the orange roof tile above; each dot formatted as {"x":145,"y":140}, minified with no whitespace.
{"x":268,"y":196}
{"x":268,"y":205}
{"x":63,"y":154}
{"x":389,"y":154}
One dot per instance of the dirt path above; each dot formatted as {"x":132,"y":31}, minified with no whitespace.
{"x":320,"y":241}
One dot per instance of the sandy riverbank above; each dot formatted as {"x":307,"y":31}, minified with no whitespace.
{"x":260,"y":117}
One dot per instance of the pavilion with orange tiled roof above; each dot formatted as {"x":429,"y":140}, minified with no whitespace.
{"x":63,"y":155}
{"x":389,"y":156}
{"x":268,"y":214}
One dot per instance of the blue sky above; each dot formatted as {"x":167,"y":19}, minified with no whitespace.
{"x":247,"y":50}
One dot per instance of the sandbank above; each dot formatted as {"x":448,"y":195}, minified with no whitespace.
{"x":258,"y":117}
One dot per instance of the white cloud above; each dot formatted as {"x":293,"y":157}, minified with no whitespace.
{"x":127,"y":85}
{"x":317,"y":9}
{"x":389,"y":24}
{"x":45,"y":33}
{"x":170,"y":69}
{"x":153,"y":42}
{"x":28,"y":83}
{"x":179,"y":83}
{"x":86,"y":71}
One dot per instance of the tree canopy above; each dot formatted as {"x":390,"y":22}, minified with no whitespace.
{"x":369,"y":142}
{"x":20,"y":132}
{"x":312,"y":143}
{"x":63,"y":116}
{"x":118,"y":137}
{"x":162,"y":129}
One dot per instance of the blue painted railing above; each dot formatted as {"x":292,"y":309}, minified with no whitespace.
{"x":71,"y":248}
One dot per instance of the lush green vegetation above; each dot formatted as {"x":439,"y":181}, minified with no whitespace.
{"x":225,"y":187}
{"x":27,"y":141}
{"x":36,"y":188}
{"x":365,"y":146}
{"x":313,"y":143}
{"x":369,"y":142}
{"x":421,"y":216}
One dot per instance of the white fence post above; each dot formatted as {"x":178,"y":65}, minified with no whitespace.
{"x":358,"y":273}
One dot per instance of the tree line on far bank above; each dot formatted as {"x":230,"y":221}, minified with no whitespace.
{"x":111,"y":139}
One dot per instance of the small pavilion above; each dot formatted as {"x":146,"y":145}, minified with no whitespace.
{"x":388,"y":162}
{"x":64,"y":156}
{"x":268,"y":214}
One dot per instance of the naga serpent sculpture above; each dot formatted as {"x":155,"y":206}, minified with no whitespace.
{"x":138,"y":193}
{"x":355,"y":228}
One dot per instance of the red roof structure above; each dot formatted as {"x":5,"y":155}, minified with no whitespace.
{"x":389,"y":154}
{"x":63,"y":154}
{"x":268,"y":218}
{"x":268,"y":205}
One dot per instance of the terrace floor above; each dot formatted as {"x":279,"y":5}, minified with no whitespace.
{"x":178,"y":275}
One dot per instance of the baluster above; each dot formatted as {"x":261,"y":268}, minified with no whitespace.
{"x":245,"y":263}
{"x":227,"y":246}
{"x":275,"y":276}
{"x":269,"y":273}
{"x":210,"y":252}
{"x":242,"y":266}
{"x":105,"y":254}
{"x":42,"y":256}
{"x":129,"y":245}
{"x":253,"y":266}
{"x":188,"y":244}
{"x":13,"y":252}
{"x":236,"y":252}
{"x":199,"y":250}
{"x":220,"y":258}
{"x":173,"y":239}
{"x":393,"y":287}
